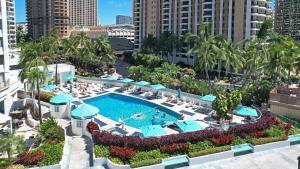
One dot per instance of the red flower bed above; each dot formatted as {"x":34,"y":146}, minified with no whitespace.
{"x":175,"y":148}
{"x":287,"y":128}
{"x":122,"y":152}
{"x":92,"y":126}
{"x":222,"y":140}
{"x":144,"y":144}
{"x":26,"y":158}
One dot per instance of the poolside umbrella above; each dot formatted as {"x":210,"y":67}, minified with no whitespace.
{"x":70,"y":77}
{"x":126,"y":80}
{"x":189,"y":126}
{"x":152,"y":131}
{"x":111,"y":78}
{"x":158,"y":87}
{"x":50,"y":87}
{"x":179,"y":93}
{"x":142,"y":83}
{"x":61,"y":98}
{"x":84,"y":111}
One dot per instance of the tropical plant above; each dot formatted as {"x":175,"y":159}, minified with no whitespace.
{"x":204,"y":48}
{"x":11,"y":144}
{"x":149,"y":44}
{"x":220,"y":105}
{"x":234,"y":99}
{"x":53,"y":154}
{"x":47,"y":124}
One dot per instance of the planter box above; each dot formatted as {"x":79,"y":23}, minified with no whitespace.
{"x":100,"y":161}
{"x":269,"y":146}
{"x":211,"y":157}
{"x":116,"y":166}
{"x":57,"y":166}
{"x":156,"y":166}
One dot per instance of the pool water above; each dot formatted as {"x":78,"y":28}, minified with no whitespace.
{"x":135,"y":112}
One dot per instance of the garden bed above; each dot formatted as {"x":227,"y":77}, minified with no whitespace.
{"x":201,"y":146}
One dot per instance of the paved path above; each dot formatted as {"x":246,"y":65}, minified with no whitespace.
{"x":283,"y":158}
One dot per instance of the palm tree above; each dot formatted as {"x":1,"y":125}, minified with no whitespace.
{"x":232,"y":56}
{"x":149,"y":43}
{"x":10,"y":144}
{"x":103,"y":51}
{"x":34,"y":68}
{"x":204,"y":48}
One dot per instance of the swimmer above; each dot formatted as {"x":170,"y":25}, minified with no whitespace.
{"x":165,"y":114}
{"x":157,"y":111}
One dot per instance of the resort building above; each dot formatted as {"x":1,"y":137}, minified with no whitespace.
{"x":121,"y":31}
{"x":285,"y":100}
{"x":287,"y":18}
{"x":45,"y":15}
{"x":236,"y":20}
{"x":122,"y":19}
{"x":84,"y":12}
{"x":11,"y":22}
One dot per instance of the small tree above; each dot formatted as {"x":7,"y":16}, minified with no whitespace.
{"x":11,"y":144}
{"x":220,"y":105}
{"x":234,"y":99}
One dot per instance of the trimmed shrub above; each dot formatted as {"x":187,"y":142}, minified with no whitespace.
{"x":16,"y":167}
{"x":238,"y":140}
{"x":30,"y":158}
{"x":175,"y":148}
{"x":202,"y":145}
{"x":47,"y":124}
{"x":55,"y":133}
{"x":209,"y":151}
{"x":222,"y":140}
{"x":259,"y":141}
{"x":275,"y":131}
{"x":145,"y":155}
{"x":293,"y":131}
{"x":287,"y":128}
{"x":53,"y":154}
{"x":123,"y":153}
{"x":145,"y":163}
{"x":4,"y":162}
{"x":101,"y":151}
{"x":92,"y":126}
{"x":116,"y":160}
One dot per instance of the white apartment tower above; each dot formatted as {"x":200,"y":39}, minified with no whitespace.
{"x":11,"y":22}
{"x":84,"y":12}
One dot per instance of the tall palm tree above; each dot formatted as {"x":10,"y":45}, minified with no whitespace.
{"x":103,"y":51}
{"x":204,"y":48}
{"x":149,"y":43}
{"x":232,"y":56}
{"x":34,"y":67}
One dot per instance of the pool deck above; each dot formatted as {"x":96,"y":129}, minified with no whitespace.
{"x":190,"y":115}
{"x":283,"y":158}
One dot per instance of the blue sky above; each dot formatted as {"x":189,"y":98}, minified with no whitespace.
{"x":108,"y":9}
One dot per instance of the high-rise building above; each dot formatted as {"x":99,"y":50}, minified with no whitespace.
{"x":234,"y":19}
{"x":122,"y":19}
{"x":84,"y":12}
{"x":11,"y":22}
{"x":287,"y":18}
{"x":45,"y":15}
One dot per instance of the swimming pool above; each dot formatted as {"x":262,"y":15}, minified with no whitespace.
{"x":135,"y":112}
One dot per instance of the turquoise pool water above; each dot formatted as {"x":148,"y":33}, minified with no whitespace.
{"x":137,"y":112}
{"x":208,"y":98}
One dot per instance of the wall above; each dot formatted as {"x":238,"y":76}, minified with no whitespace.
{"x":80,"y":131}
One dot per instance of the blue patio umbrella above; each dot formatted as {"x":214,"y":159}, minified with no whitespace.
{"x":158,"y":87}
{"x":179,"y":93}
{"x":152,"y":131}
{"x":189,"y":126}
{"x":84,"y":111}
{"x":142,"y":83}
{"x":50,"y":87}
{"x":61,"y":98}
{"x":208,"y":98}
{"x":246,"y":111}
{"x":111,"y":78}
{"x":126,"y":80}
{"x":70,"y":77}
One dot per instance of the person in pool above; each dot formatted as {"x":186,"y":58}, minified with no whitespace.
{"x":165,"y":114}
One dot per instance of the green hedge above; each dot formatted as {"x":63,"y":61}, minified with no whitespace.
{"x":209,"y":151}
{"x":145,"y":163}
{"x":53,"y":153}
{"x":4,"y":162}
{"x":202,"y":145}
{"x":101,"y":151}
{"x":265,"y":140}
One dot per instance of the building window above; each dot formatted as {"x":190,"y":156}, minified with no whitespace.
{"x":79,"y":124}
{"x":56,"y":108}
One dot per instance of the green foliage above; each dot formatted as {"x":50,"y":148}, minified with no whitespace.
{"x":209,"y":151}
{"x":16,"y":167}
{"x":294,"y":131}
{"x":238,"y":140}
{"x":265,"y":140}
{"x":102,"y":151}
{"x":116,"y":160}
{"x":275,"y":131}
{"x":234,"y":99}
{"x":4,"y":162}
{"x":46,"y":125}
{"x":220,"y":105}
{"x":146,"y":162}
{"x":202,"y":145}
{"x":11,"y":144}
{"x":148,"y":60}
{"x":55,"y":133}
{"x":53,"y":153}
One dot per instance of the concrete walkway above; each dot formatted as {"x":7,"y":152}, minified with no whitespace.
{"x":283,"y":158}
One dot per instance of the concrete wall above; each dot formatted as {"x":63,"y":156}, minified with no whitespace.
{"x":80,"y":131}
{"x":288,"y":111}
{"x":64,"y":111}
{"x":269,"y":146}
{"x":57,"y":166}
{"x":211,"y":157}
